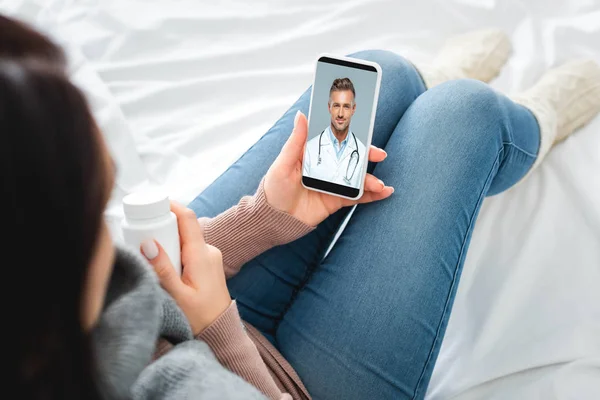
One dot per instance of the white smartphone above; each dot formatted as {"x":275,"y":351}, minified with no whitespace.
{"x":341,"y":116}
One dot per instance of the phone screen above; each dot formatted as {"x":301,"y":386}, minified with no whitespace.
{"x":340,"y":124}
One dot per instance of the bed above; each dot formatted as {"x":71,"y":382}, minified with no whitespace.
{"x":181,"y":89}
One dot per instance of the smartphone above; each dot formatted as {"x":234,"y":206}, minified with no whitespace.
{"x":341,"y":116}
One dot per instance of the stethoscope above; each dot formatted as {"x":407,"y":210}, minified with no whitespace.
{"x":353,"y":156}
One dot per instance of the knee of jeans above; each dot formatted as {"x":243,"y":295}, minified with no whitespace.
{"x":468,"y":97}
{"x":393,"y":66}
{"x":468,"y":103}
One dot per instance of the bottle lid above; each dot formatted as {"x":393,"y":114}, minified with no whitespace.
{"x":146,"y":205}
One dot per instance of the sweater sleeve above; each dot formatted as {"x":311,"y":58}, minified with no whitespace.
{"x":250,"y":228}
{"x":234,"y":349}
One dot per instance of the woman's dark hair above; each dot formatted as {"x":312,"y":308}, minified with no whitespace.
{"x":54,"y":189}
{"x":20,"y":41}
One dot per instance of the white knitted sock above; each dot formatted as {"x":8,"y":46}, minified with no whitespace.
{"x":563,"y":100}
{"x":478,"y":55}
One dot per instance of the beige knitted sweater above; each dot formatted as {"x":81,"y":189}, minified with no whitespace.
{"x":241,"y":233}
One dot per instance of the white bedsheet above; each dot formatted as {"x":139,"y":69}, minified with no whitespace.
{"x":182,"y":89}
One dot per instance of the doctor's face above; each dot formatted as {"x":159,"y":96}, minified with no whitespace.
{"x":341,"y":107}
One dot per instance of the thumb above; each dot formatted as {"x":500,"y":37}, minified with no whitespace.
{"x":293,"y":149}
{"x":163,"y":267}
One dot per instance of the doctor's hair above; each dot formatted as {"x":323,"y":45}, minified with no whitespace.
{"x":20,"y":41}
{"x":341,"y":84}
{"x":55,"y":187}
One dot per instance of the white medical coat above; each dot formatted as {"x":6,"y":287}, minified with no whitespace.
{"x":331,"y":168}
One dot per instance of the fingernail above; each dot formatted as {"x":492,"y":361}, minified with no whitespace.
{"x":380,"y":181}
{"x":393,"y":190}
{"x":296,"y":117}
{"x":384,"y":152}
{"x":149,"y":249}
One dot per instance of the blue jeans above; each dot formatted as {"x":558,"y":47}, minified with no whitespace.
{"x":367,"y":321}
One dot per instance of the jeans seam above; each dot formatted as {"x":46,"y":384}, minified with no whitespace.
{"x":513,"y":145}
{"x":413,"y":65}
{"x":460,"y":259}
{"x":512,"y":137}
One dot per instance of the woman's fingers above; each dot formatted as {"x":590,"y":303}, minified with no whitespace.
{"x":293,"y":149}
{"x":369,"y":197}
{"x":380,"y":192}
{"x":193,"y":246}
{"x":376,"y":154}
{"x":190,"y":232}
{"x":373,"y":184}
{"x":167,"y":276}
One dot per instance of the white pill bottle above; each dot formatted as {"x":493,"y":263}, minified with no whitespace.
{"x":148,"y":216}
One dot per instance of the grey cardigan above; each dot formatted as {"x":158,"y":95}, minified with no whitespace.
{"x":136,"y":314}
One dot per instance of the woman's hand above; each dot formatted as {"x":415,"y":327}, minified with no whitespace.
{"x":200,"y":291}
{"x":283,"y":182}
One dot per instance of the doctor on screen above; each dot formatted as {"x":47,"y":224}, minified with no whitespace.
{"x":336,"y":155}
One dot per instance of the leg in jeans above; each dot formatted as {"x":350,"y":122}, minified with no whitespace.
{"x":265,"y":286}
{"x":369,"y":322}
